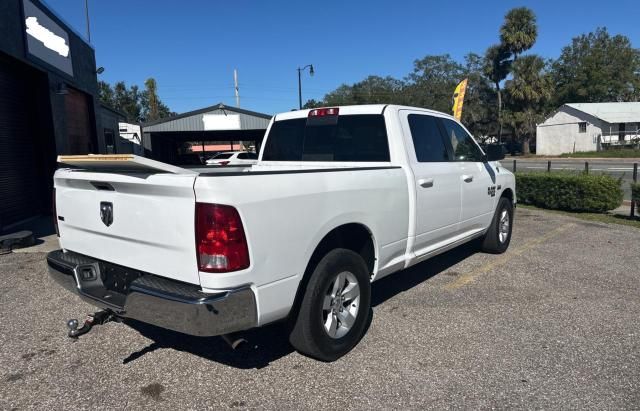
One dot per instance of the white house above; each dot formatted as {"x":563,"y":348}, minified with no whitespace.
{"x":588,"y":127}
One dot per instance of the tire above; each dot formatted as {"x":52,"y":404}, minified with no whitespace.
{"x":498,"y":236}
{"x":322,"y":330}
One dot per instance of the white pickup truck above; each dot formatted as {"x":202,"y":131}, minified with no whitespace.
{"x":339,"y":198}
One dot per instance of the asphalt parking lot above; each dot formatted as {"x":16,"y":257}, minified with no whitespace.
{"x":553,"y":323}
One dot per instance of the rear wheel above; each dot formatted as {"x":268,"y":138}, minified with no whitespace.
{"x":498,"y":236}
{"x":335,"y":308}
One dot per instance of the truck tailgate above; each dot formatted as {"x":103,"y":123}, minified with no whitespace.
{"x":152,"y":224}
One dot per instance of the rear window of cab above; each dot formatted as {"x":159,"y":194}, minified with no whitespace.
{"x":356,"y":138}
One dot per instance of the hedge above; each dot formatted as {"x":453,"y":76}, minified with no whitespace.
{"x":635,"y":192}
{"x":569,"y":191}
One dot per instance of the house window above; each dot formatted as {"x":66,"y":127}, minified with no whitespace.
{"x":582,"y":127}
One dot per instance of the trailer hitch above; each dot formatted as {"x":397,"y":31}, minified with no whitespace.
{"x":97,"y":318}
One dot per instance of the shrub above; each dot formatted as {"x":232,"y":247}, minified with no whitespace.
{"x":569,"y":191}
{"x":635,"y":192}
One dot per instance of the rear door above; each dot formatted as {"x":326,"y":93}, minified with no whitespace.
{"x":141,"y":221}
{"x":477,"y":178}
{"x":437,"y":181}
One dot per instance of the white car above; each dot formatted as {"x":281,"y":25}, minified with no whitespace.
{"x":233,"y":158}
{"x":340,"y":197}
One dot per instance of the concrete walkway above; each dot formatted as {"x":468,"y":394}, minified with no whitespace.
{"x":625,"y":209}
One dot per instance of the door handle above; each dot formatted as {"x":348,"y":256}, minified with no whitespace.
{"x":467,"y":179}
{"x":426,"y":182}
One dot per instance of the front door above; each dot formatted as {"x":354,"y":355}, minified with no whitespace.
{"x":437,"y":181}
{"x":478,"y":179}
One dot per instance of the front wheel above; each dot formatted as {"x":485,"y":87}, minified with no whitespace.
{"x":335,"y":308}
{"x":498,"y":236}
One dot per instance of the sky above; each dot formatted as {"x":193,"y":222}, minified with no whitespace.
{"x":191,"y":47}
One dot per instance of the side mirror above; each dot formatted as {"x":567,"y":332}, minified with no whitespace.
{"x":495,"y":152}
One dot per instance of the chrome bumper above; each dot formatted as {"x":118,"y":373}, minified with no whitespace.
{"x":151,"y":299}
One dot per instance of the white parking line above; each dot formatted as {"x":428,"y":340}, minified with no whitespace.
{"x":620,"y":168}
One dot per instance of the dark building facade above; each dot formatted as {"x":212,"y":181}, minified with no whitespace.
{"x":48,"y":105}
{"x":110,"y":120}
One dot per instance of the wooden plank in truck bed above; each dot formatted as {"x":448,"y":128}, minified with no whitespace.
{"x":120,"y":163}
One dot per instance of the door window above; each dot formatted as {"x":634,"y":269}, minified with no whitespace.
{"x":427,"y":138}
{"x":464,"y":148}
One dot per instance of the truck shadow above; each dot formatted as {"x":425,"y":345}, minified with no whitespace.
{"x":264,"y":345}
{"x":388,"y":287}
{"x":267,"y":344}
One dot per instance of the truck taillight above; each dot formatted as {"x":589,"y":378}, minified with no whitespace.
{"x":221,"y":245}
{"x":55,"y":212}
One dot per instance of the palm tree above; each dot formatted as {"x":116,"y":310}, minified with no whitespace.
{"x":528,"y":92}
{"x":519,"y":30}
{"x":152,"y":96}
{"x":496,"y":67}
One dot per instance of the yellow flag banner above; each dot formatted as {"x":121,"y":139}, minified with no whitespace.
{"x":458,"y":99}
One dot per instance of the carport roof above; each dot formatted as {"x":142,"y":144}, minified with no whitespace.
{"x":610,"y":112}
{"x":219,"y":106}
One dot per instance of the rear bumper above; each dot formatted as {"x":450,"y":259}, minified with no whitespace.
{"x":151,"y":299}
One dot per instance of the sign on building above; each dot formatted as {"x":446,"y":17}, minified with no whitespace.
{"x":46,"y":40}
{"x":221,"y":121}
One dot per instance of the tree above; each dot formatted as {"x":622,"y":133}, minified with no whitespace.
{"x":496,"y":67}
{"x":135,"y":105}
{"x":127,"y":101}
{"x":151,"y":106}
{"x":433,"y":81}
{"x":528,"y":93}
{"x":479,"y":110}
{"x":597,"y":67}
{"x":151,"y":89}
{"x":105,"y":93}
{"x":313,"y":104}
{"x":371,"y":90}
{"x":519,"y":31}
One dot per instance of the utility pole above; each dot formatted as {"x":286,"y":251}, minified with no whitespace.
{"x":86,"y":12}
{"x":299,"y":89}
{"x":237,"y":89}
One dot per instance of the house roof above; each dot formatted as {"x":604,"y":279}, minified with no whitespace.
{"x":610,"y":112}
{"x":219,"y":106}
